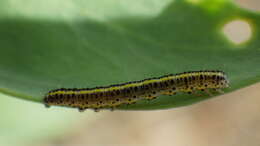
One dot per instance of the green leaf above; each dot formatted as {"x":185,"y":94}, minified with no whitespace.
{"x":74,"y":44}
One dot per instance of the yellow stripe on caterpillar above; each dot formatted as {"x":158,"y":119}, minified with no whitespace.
{"x":130,"y":92}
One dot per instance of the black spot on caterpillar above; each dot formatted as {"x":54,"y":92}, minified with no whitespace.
{"x":130,"y":92}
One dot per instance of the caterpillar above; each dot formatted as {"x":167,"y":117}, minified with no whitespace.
{"x":128,"y":93}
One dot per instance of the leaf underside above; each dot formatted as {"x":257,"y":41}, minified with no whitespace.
{"x":41,"y":53}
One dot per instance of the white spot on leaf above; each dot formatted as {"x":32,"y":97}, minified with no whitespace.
{"x":237,"y":31}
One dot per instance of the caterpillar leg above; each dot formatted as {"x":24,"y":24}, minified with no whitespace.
{"x":113,"y":108}
{"x":219,"y":91}
{"x":81,"y":109}
{"x":96,"y":109}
